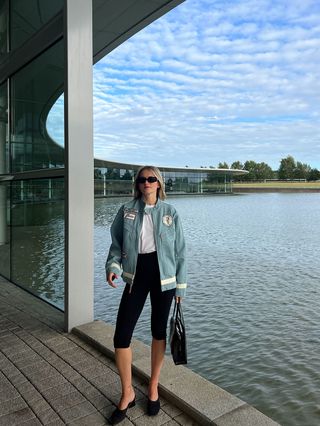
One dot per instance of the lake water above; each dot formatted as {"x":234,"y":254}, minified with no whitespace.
{"x":253,"y":303}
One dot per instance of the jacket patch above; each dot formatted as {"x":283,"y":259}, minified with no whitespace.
{"x":130,"y":214}
{"x":167,"y":220}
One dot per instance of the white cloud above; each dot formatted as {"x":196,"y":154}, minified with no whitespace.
{"x":214,"y":81}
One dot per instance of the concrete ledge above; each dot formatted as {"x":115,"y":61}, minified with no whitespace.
{"x":205,"y":402}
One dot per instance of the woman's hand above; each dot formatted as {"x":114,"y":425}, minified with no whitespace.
{"x":178,"y":299}
{"x":110,"y":277}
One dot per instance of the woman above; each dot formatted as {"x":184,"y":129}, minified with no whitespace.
{"x":148,"y":245}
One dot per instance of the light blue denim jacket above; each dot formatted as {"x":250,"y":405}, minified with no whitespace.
{"x":169,"y":239}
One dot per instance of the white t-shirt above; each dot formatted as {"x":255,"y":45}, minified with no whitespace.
{"x":146,"y":241}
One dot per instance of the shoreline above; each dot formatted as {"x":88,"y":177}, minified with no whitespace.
{"x":288,"y":190}
{"x":276,"y":187}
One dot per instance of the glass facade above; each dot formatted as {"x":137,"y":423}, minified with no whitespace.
{"x":32,"y":91}
{"x":29,"y":16}
{"x":32,"y":197}
{"x":114,"y":181}
{"x":37,"y":237}
{"x":4,"y":185}
{"x":3,"y":27}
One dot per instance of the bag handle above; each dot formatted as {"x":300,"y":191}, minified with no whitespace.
{"x":175,"y":309}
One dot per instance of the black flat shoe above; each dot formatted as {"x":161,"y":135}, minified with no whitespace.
{"x":118,"y":415}
{"x":153,"y":407}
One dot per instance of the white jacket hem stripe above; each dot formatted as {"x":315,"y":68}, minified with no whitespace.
{"x":168,"y":281}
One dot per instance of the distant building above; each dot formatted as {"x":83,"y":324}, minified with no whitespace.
{"x":112,"y":179}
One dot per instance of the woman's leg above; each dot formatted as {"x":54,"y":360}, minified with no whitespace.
{"x":123,"y":361}
{"x":158,"y":349}
{"x":160,"y":303}
{"x":130,"y":309}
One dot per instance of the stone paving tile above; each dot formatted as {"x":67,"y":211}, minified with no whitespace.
{"x":10,"y":341}
{"x":42,"y":384}
{"x":32,"y":422}
{"x":75,"y":356}
{"x":58,"y":391}
{"x":96,"y":370}
{"x":48,"y":416}
{"x":67,"y":401}
{"x":16,"y":379}
{"x":171,"y":423}
{"x":94,"y":419}
{"x":86,"y":365}
{"x":4,"y":333}
{"x":158,"y":420}
{"x":92,"y":394}
{"x":44,"y":333}
{"x":28,"y":392}
{"x":97,"y":399}
{"x":7,"y":368}
{"x":138,"y":410}
{"x":77,"y":411}
{"x":171,"y":410}
{"x":40,"y":370}
{"x":65,"y":369}
{"x":105,"y":380}
{"x":27,"y":353}
{"x":29,"y":360}
{"x":16,"y":418}
{"x":184,"y":420}
{"x":12,"y":405}
{"x":46,"y":353}
{"x":39,"y":406}
{"x":7,"y":391}
{"x":11,"y":349}
{"x":60,"y":344}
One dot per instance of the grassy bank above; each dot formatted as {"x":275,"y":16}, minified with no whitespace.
{"x":276,"y":186}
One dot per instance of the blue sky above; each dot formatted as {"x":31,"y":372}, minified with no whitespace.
{"x":214,"y":81}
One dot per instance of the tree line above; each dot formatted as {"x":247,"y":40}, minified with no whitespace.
{"x":289,"y":169}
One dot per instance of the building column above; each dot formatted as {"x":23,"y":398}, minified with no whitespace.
{"x":79,"y":183}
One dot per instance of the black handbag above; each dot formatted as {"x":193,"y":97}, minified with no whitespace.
{"x":178,"y":342}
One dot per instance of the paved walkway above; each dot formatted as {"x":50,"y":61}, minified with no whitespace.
{"x":48,"y":377}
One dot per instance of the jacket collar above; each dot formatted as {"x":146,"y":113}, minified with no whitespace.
{"x":142,"y":204}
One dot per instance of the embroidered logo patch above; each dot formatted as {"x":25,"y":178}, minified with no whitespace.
{"x":130,"y":214}
{"x":167,"y":220}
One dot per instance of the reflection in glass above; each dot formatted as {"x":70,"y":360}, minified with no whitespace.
{"x":4,"y":163}
{"x":37,"y":238}
{"x":4,"y":186}
{"x":28,"y":16}
{"x":55,"y":121}
{"x":3,"y":27}
{"x":34,"y":90}
{"x":5,"y":229}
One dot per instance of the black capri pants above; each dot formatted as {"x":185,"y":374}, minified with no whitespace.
{"x":147,"y":279}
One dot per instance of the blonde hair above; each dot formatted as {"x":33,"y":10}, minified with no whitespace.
{"x":160,"y":192}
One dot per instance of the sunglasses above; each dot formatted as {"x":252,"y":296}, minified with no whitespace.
{"x":150,"y":179}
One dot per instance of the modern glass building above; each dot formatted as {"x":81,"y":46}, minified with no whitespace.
{"x":47,"y":191}
{"x":115,"y":179}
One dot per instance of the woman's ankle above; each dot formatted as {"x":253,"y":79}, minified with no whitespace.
{"x":128,"y":395}
{"x":153,"y":393}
